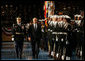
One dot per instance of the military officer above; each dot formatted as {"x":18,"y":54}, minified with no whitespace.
{"x":68,"y":37}
{"x":59,"y":36}
{"x":54,"y":42}
{"x":49,"y":35}
{"x":78,"y":35}
{"x":18,"y":36}
{"x":62,"y":36}
{"x":82,"y":37}
{"x":44,"y":41}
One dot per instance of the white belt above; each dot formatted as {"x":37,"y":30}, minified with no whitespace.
{"x":59,"y":33}
{"x":50,"y":30}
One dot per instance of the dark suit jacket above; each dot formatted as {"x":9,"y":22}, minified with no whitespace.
{"x":35,"y":34}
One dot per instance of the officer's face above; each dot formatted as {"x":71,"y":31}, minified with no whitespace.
{"x":64,"y":19}
{"x":34,"y":20}
{"x":18,"y":20}
{"x":48,"y":18}
{"x":54,"y":19}
{"x":60,"y":19}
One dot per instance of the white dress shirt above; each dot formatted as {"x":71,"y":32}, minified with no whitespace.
{"x":35,"y":26}
{"x":19,"y":24}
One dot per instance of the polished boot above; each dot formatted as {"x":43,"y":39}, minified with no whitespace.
{"x":49,"y":54}
{"x":20,"y":56}
{"x":55,"y":58}
{"x":36,"y":56}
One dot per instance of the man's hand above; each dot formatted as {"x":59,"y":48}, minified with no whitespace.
{"x":29,"y":38}
{"x":12,"y":39}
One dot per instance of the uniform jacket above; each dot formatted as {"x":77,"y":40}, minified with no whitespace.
{"x":18,"y":29}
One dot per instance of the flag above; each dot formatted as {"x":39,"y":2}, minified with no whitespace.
{"x":45,"y":8}
{"x":46,"y":11}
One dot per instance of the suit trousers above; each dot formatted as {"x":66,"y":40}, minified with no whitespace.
{"x":35,"y":47}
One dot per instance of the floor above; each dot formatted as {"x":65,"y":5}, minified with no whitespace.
{"x":8,"y":52}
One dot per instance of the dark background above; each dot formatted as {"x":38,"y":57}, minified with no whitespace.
{"x":26,"y":9}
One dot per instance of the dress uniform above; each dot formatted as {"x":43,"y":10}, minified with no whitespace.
{"x":82,"y":37}
{"x":49,"y":33}
{"x":69,"y":38}
{"x":60,"y":24}
{"x":44,"y":41}
{"x":78,"y":35}
{"x":54,"y":43}
{"x":18,"y":37}
{"x":62,"y":37}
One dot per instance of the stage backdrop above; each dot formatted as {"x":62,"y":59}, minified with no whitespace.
{"x":7,"y":34}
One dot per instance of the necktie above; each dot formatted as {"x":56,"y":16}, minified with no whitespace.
{"x":34,"y":26}
{"x":19,"y":24}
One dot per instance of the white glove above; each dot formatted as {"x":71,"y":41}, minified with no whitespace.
{"x":62,"y":39}
{"x":52,"y":53}
{"x":42,"y":30}
{"x":57,"y":55}
{"x":67,"y":42}
{"x":12,"y":39}
{"x":80,"y":53}
{"x":63,"y":57}
{"x":56,"y":39}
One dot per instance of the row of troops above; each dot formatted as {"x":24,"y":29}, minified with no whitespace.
{"x":57,"y":32}
{"x":64,"y":36}
{"x":60,"y":37}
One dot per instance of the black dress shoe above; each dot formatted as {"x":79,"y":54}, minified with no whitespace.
{"x":54,"y":56}
{"x":59,"y":57}
{"x":20,"y":57}
{"x":36,"y":56}
{"x":17,"y":56}
{"x":49,"y":55}
{"x":33,"y":57}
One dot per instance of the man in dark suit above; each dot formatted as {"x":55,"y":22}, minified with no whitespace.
{"x":18,"y":36}
{"x":34,"y":37}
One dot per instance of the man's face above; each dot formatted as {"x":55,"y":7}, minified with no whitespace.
{"x":54,"y":19}
{"x":60,"y":19}
{"x":64,"y":19}
{"x":34,"y":20}
{"x":18,"y":20}
{"x":48,"y":18}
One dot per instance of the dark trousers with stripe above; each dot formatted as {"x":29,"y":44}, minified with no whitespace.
{"x":19,"y":48}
